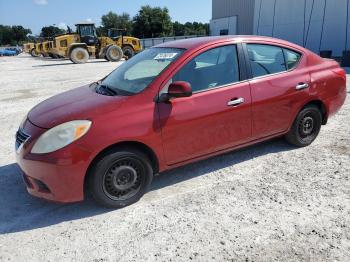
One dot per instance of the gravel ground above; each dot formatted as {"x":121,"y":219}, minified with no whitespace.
{"x":268,"y":202}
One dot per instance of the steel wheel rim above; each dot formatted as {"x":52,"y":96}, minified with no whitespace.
{"x":123,"y":178}
{"x":114,"y":53}
{"x":307,"y":126}
{"x":80,"y":55}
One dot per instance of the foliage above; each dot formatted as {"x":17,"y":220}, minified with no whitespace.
{"x":50,"y":31}
{"x":188,"y":28}
{"x":113,"y":20}
{"x":13,"y":35}
{"x":152,"y":22}
{"x":148,"y":22}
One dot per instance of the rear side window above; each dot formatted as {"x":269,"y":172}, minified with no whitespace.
{"x":292,"y":58}
{"x":213,"y":68}
{"x":266,"y":59}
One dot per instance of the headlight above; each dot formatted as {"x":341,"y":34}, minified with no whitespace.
{"x":61,"y":136}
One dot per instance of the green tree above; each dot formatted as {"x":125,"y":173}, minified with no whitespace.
{"x":19,"y":33}
{"x":50,"y":31}
{"x":179,"y":29}
{"x":188,"y":28}
{"x":152,"y":22}
{"x":196,"y":28}
{"x":13,"y":35}
{"x":113,"y":20}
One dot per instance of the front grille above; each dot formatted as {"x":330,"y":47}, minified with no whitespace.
{"x":21,"y":137}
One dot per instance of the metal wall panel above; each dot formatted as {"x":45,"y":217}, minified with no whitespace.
{"x":243,"y":9}
{"x":315,"y":24}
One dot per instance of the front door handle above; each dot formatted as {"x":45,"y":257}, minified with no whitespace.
{"x":302,"y":86}
{"x":236,"y":101}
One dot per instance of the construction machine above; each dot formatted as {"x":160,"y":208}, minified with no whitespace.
{"x":27,"y":47}
{"x":79,"y":46}
{"x":44,"y":47}
{"x":130,"y":45}
{"x":35,"y":51}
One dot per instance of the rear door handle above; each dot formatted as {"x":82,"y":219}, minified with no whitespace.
{"x":302,"y":86}
{"x":236,"y":102}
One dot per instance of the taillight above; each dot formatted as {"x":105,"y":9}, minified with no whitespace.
{"x":340,"y":72}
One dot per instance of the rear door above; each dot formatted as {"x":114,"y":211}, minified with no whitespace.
{"x":218,"y":114}
{"x":279,"y":86}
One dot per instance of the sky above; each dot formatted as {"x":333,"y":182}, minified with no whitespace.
{"x":35,"y":14}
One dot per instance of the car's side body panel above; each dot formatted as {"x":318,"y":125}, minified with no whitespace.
{"x":182,"y":130}
{"x":204,"y":123}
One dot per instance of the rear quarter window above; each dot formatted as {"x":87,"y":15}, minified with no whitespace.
{"x":292,"y":58}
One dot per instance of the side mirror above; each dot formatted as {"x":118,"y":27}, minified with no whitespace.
{"x":176,"y":90}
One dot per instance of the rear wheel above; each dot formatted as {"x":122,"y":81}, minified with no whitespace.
{"x":79,"y":55}
{"x":128,"y":51}
{"x":33,"y":53}
{"x":306,"y":127}
{"x":114,"y":53}
{"x":120,"y":178}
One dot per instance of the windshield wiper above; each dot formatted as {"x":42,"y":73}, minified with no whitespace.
{"x":108,"y":89}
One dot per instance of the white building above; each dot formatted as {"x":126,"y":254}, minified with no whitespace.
{"x":315,"y":24}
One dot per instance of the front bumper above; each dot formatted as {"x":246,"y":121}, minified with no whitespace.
{"x":58,"y":176}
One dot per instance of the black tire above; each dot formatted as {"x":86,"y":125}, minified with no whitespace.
{"x":306,"y":127}
{"x":128,"y":51}
{"x":53,"y":56}
{"x":120,"y":178}
{"x":114,"y":53}
{"x":79,"y":55}
{"x":33,"y":53}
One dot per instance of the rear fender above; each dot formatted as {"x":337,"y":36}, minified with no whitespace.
{"x":72,"y":46}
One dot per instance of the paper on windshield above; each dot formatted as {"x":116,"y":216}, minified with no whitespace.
{"x":162,"y":56}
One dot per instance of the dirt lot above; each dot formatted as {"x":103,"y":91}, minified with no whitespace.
{"x":269,"y":202}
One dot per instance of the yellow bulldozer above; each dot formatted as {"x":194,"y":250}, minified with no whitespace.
{"x":129,"y":45}
{"x":27,"y":47}
{"x":41,"y":47}
{"x":83,"y":44}
{"x":35,"y":51}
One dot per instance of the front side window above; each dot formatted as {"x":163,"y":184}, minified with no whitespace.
{"x":266,"y":59}
{"x":136,"y":74}
{"x":213,"y":68}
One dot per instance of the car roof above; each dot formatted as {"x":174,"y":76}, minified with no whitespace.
{"x":198,"y":42}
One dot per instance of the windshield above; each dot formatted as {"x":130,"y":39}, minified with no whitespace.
{"x":86,"y":30}
{"x":136,"y":74}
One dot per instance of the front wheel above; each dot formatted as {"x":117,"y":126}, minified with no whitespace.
{"x":306,"y":127}
{"x":33,"y":53}
{"x":114,"y":53}
{"x":120,"y":178}
{"x":79,"y":55}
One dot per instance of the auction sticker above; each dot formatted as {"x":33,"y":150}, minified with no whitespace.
{"x":162,"y":56}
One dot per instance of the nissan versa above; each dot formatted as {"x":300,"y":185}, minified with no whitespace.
{"x":173,"y":104}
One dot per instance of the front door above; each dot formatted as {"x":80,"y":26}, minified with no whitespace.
{"x":218,"y":114}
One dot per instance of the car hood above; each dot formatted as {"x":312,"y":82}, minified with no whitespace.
{"x":78,"y":104}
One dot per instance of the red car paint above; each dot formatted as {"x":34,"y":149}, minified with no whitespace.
{"x":182,"y":131}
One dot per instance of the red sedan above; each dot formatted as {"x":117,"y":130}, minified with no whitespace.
{"x":170,"y":105}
